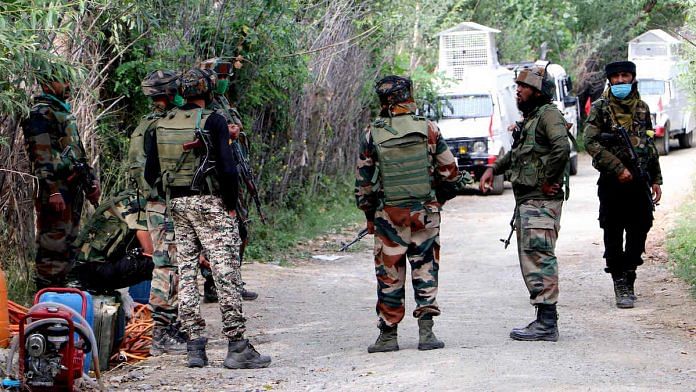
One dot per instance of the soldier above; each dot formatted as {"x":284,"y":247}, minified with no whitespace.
{"x":537,"y":166}
{"x":625,"y":200}
{"x":223,"y":69}
{"x":201,"y":185}
{"x":59,"y":161}
{"x":161,"y":86}
{"x":405,"y":173}
{"x":115,"y":250}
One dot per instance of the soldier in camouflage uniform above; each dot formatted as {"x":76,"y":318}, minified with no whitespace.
{"x":405,"y":173}
{"x":538,"y":167}
{"x":625,"y":202}
{"x":202,"y":208}
{"x":223,"y":69}
{"x":56,"y":152}
{"x":115,"y":250}
{"x":162,"y":87}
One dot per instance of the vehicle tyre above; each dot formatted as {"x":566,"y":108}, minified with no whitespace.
{"x":685,"y":139}
{"x":662,"y":144}
{"x":498,"y":185}
{"x":574,"y":165}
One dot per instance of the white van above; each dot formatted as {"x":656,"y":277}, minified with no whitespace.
{"x":474,"y":114}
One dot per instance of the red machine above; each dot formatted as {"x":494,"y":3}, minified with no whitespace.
{"x":51,"y":356}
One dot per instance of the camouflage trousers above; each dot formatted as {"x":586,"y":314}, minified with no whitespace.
{"x":55,"y":233}
{"x":165,"y":278}
{"x":537,"y":223}
{"x":402,"y":234}
{"x":203,"y":224}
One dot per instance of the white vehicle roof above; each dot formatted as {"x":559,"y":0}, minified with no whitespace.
{"x":480,"y":81}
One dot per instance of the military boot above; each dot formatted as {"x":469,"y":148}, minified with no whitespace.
{"x":195,"y":352}
{"x":630,"y":283}
{"x":242,"y":355}
{"x":426,"y":338}
{"x":386,"y":341}
{"x":248,"y":295}
{"x":545,"y":327}
{"x":209,"y":290}
{"x":164,"y":342}
{"x":621,"y":291}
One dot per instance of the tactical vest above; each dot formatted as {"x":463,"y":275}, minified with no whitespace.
{"x":177,"y":167}
{"x":136,"y":151}
{"x":528,"y":161}
{"x":403,"y":166}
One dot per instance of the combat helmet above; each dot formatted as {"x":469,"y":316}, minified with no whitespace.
{"x":539,"y":78}
{"x":198,"y":82}
{"x":220,"y":66}
{"x":160,"y":82}
{"x":394,"y":89}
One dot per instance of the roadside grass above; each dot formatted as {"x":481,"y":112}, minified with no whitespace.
{"x":681,"y":244}
{"x":308,"y":216}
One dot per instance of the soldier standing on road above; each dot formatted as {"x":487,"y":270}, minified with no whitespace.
{"x":405,"y":173}
{"x":161,"y":86}
{"x":55,"y":150}
{"x":204,"y":218}
{"x":537,"y":167}
{"x":625,"y":206}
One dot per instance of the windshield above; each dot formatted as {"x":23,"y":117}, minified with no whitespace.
{"x":651,"y":87}
{"x":466,"y":106}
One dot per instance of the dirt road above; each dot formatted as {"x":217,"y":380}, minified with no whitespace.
{"x":316,"y":319}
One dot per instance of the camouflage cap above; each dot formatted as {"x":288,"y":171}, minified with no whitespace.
{"x":220,"y":66}
{"x":394,"y":89}
{"x":160,"y":82}
{"x":198,"y":82}
{"x":538,"y":78}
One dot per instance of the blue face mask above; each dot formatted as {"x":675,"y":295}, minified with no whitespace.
{"x":621,"y":91}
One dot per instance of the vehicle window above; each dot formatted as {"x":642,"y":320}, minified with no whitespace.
{"x":651,"y":87}
{"x":466,"y":106}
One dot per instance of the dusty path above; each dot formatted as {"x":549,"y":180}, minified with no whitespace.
{"x":317,"y":318}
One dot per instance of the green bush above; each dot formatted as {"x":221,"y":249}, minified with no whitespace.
{"x":681,"y":244}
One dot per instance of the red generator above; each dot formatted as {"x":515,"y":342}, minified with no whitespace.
{"x":51,"y":346}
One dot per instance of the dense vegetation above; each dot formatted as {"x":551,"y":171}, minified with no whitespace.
{"x":304,"y":72}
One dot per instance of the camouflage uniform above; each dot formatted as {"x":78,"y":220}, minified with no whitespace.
{"x":407,"y":230}
{"x":622,"y":207}
{"x":539,"y":155}
{"x":48,"y":132}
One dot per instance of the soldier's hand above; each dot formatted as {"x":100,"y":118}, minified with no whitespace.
{"x":56,"y":202}
{"x":370,"y":227}
{"x":234,"y":131}
{"x":656,"y":193}
{"x":93,"y":196}
{"x":550,"y":189}
{"x":625,"y":176}
{"x":486,"y":181}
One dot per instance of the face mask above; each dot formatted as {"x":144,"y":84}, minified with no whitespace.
{"x":64,"y":104}
{"x":621,"y":91}
{"x":221,"y":86}
{"x":178,"y":100}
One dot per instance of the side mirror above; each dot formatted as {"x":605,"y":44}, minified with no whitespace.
{"x":570,"y":100}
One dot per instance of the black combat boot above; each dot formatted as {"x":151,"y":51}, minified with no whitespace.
{"x":248,"y":295}
{"x":426,"y":338}
{"x":545,"y":327}
{"x":209,"y":291}
{"x":166,"y":341}
{"x":242,"y":355}
{"x":630,"y":282}
{"x":195,"y":353}
{"x":386,"y":341}
{"x":621,"y":291}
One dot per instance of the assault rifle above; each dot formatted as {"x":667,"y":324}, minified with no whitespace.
{"x":204,"y":144}
{"x":81,"y":172}
{"x":360,"y":236}
{"x":247,"y":175}
{"x":512,"y":229}
{"x":635,"y":168}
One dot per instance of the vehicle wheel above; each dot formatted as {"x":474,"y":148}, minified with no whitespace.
{"x":662,"y":144}
{"x":685,"y":139}
{"x":498,"y":185}
{"x":574,"y":165}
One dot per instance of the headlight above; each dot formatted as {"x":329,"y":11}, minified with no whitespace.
{"x":479,"y":147}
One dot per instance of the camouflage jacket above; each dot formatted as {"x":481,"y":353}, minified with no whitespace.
{"x":52,"y":141}
{"x":110,"y":233}
{"x":368,"y":192}
{"x":609,"y":156}
{"x":536,"y":160}
{"x":137,"y":156}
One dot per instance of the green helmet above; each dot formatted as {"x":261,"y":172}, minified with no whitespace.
{"x":198,"y":82}
{"x":538,"y":78}
{"x":220,"y":66}
{"x":160,"y":82}
{"x":394,"y":89}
